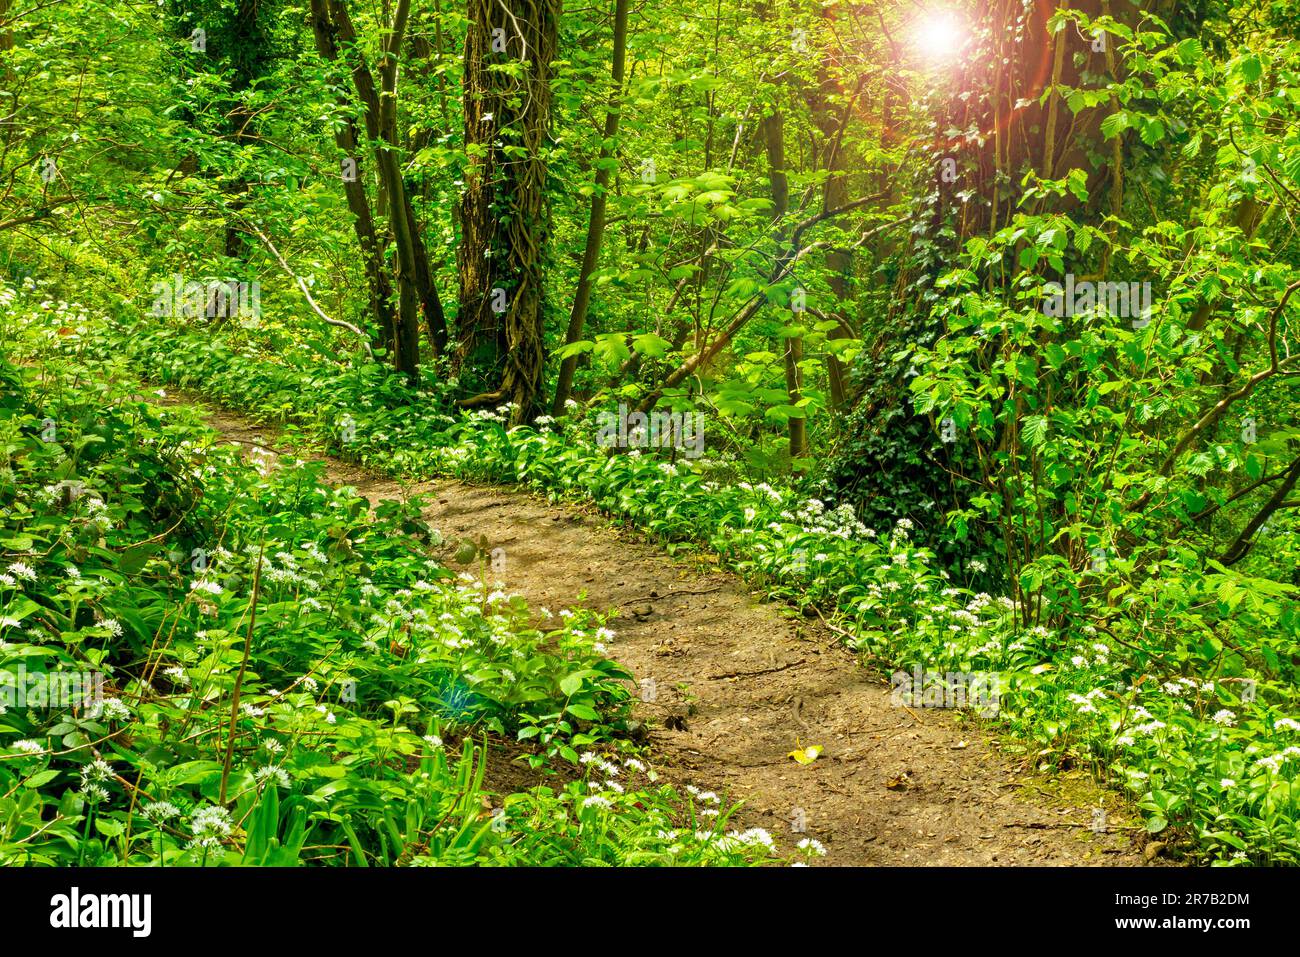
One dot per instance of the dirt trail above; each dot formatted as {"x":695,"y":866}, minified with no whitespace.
{"x":738,"y":684}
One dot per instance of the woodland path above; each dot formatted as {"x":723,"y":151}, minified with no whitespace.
{"x":740,"y":683}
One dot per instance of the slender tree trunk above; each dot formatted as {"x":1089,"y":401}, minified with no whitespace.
{"x":336,"y":39}
{"x":378,"y":285}
{"x":6,"y":32}
{"x":380,"y":103}
{"x":435,"y":320}
{"x":835,"y":193}
{"x":596,"y":224}
{"x":402,"y":222}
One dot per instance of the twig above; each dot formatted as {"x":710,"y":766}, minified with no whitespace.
{"x":835,"y":628}
{"x":679,"y":591}
{"x":365,"y":340}
{"x":751,"y":674}
{"x":1044,"y":826}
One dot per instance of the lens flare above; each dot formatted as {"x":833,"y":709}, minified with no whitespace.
{"x":939,"y":36}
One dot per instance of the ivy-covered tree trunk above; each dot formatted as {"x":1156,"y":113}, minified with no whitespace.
{"x":503,"y":211}
{"x":479,"y":330}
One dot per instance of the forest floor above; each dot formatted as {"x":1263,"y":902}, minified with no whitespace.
{"x":740,"y":683}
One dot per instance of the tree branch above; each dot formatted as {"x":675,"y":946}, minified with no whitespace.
{"x":365,"y":340}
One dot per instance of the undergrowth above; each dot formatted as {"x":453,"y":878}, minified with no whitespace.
{"x":1199,"y":732}
{"x":210,"y":662}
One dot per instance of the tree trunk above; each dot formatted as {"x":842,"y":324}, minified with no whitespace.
{"x":480,"y":332}
{"x":596,"y":225}
{"x":835,"y":193}
{"x":378,"y":285}
{"x":504,"y":216}
{"x":413,"y":280}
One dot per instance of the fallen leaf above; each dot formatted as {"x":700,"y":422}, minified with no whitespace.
{"x":899,"y":782}
{"x":807,"y":755}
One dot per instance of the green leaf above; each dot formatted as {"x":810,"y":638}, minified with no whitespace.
{"x":575,"y":348}
{"x":1190,"y":51}
{"x":1035,"y":431}
{"x":1115,"y":124}
{"x":652,"y":345}
{"x":571,"y":683}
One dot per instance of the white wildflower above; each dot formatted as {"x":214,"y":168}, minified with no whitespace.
{"x":811,"y":844}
